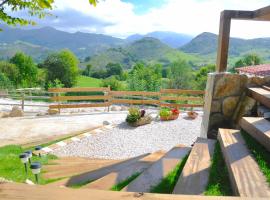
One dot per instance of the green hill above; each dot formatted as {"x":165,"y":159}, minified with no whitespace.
{"x":148,"y":50}
{"x":82,"y":44}
{"x":205,"y":45}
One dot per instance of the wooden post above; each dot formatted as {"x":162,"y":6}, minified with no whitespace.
{"x":223,"y":41}
{"x":108,"y":93}
{"x":22,"y":95}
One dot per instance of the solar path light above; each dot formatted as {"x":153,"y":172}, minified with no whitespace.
{"x":36,"y":168}
{"x":29,"y":153}
{"x":38,"y":148}
{"x":24,"y":159}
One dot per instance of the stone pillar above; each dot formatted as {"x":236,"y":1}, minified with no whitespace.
{"x":223,"y":92}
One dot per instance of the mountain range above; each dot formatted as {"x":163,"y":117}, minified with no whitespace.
{"x":174,"y":40}
{"x":155,"y":47}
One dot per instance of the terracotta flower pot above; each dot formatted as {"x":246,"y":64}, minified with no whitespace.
{"x":192,"y":114}
{"x":171,"y":117}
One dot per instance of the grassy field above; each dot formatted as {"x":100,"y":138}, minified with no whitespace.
{"x":219,"y":183}
{"x":12,"y":169}
{"x":85,"y":81}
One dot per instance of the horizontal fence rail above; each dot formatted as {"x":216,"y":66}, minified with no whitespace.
{"x":104,"y":97}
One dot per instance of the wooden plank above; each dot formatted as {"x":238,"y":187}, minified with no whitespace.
{"x":266,"y":87}
{"x":223,"y":41}
{"x":80,"y":105}
{"x":80,"y":89}
{"x":258,"y":128}
{"x":261,"y":95}
{"x":134,"y":93}
{"x":179,"y":91}
{"x":19,"y":191}
{"x":96,"y":174}
{"x":262,"y":14}
{"x":66,"y":98}
{"x":246,"y":178}
{"x":195,"y":174}
{"x":108,"y":181}
{"x":131,"y":101}
{"x":163,"y":98}
{"x":175,"y":105}
{"x":159,"y":170}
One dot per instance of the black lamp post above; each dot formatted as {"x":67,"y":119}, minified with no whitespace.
{"x":24,"y":159}
{"x":38,"y":148}
{"x":29,"y":153}
{"x":36,"y":168}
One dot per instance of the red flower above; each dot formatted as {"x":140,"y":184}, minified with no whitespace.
{"x":175,"y":111}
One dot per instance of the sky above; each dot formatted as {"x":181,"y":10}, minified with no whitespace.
{"x":121,"y":18}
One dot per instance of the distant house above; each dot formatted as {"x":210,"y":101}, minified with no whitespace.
{"x":255,"y":70}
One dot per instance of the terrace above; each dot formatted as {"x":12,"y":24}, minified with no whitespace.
{"x":230,"y":158}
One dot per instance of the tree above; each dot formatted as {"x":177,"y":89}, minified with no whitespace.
{"x":34,"y":8}
{"x":10,"y":71}
{"x":4,"y":82}
{"x":114,"y":69}
{"x":248,"y":60}
{"x":145,"y":78}
{"x":87,"y":70}
{"x":62,"y":66}
{"x":27,"y":69}
{"x":201,"y":76}
{"x":113,"y":83}
{"x":180,"y":75}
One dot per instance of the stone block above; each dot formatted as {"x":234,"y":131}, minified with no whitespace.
{"x":16,"y":112}
{"x":229,"y":105}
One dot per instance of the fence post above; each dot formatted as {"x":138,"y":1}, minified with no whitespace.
{"x":109,"y":87}
{"x":22,"y":95}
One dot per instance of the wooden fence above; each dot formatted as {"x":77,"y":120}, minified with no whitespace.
{"x":104,"y":97}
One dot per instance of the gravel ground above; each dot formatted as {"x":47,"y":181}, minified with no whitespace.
{"x":124,"y":142}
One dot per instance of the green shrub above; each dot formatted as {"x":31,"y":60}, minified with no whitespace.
{"x":134,"y":115}
{"x":165,"y":112}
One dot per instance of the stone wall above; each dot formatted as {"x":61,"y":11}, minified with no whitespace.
{"x":226,"y":101}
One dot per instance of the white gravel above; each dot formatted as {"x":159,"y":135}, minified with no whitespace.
{"x":124,"y":142}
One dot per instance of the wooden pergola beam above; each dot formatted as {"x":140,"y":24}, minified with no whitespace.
{"x":223,"y":41}
{"x":262,"y":14}
{"x":226,"y":16}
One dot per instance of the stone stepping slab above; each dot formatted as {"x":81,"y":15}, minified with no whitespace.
{"x":258,"y":128}
{"x":195,"y":174}
{"x":52,"y":147}
{"x":246,"y":178}
{"x":159,"y":170}
{"x":108,"y":181}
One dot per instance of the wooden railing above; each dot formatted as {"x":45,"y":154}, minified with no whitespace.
{"x":166,"y":97}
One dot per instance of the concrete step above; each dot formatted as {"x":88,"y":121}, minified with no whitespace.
{"x":108,"y":181}
{"x":258,"y":128}
{"x":261,"y":95}
{"x":195,"y":174}
{"x":159,"y":170}
{"x":246,"y":178}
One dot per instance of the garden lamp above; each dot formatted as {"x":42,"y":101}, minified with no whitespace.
{"x":29,"y":153}
{"x":24,"y":159}
{"x":38,"y":148}
{"x":36,"y":168}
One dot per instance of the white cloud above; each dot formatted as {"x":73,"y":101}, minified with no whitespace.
{"x":190,"y":16}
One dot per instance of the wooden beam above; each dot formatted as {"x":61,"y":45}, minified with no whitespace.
{"x":82,"y":89}
{"x":262,"y":14}
{"x":223,"y":41}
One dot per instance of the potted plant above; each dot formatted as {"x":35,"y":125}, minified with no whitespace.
{"x":192,"y":114}
{"x":137,"y":117}
{"x":168,"y":114}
